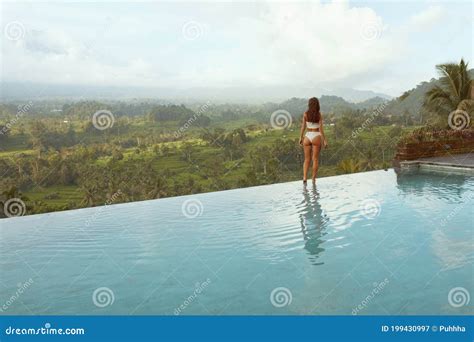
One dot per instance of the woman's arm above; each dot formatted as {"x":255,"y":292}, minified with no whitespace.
{"x":303,"y":127}
{"x":325,"y":142}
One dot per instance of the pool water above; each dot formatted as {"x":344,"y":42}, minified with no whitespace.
{"x":367,"y":243}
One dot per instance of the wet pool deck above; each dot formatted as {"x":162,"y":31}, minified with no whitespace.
{"x":455,"y":163}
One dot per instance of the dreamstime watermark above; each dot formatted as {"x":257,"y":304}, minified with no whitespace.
{"x":458,"y":296}
{"x":21,"y":111}
{"x":22,"y":287}
{"x":281,"y":119}
{"x":377,"y":288}
{"x":204,"y":108}
{"x":371,"y":30}
{"x":46,"y":330}
{"x":14,"y":30}
{"x":455,"y":211}
{"x":276,"y":204}
{"x":375,"y":113}
{"x":459,"y":119}
{"x":192,"y":30}
{"x":102,"y":297}
{"x":103,"y":119}
{"x":192,"y":208}
{"x":14,"y":207}
{"x":281,"y":297}
{"x":370,"y":208}
{"x":101,"y":209}
{"x":198,"y":289}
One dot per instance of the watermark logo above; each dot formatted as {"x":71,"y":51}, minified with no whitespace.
{"x":370,"y":208}
{"x":198,"y":289}
{"x":371,"y":31}
{"x":458,"y":119}
{"x":14,"y":31}
{"x":373,"y":115}
{"x":22,"y":110}
{"x":192,"y":30}
{"x":205,"y":107}
{"x":22,"y":287}
{"x":377,"y":288}
{"x":192,"y":208}
{"x":103,"y":208}
{"x":458,"y":296}
{"x":103,"y":119}
{"x":281,"y":297}
{"x":14,"y":207}
{"x":102,"y":297}
{"x":281,"y":119}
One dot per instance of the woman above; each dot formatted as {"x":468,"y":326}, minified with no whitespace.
{"x":313,"y":123}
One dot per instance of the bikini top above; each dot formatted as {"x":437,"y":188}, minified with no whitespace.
{"x":312,"y":124}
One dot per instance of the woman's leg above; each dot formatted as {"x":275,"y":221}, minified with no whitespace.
{"x":316,"y":148}
{"x":307,"y":157}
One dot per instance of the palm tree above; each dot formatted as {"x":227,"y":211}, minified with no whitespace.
{"x":349,"y":166}
{"x":454,"y":92}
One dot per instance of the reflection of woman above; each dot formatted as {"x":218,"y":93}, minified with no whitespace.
{"x":314,"y":137}
{"x":313,"y":223}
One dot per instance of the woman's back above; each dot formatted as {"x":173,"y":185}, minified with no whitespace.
{"x":312,"y":124}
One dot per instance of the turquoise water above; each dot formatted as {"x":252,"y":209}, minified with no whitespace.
{"x":367,"y":243}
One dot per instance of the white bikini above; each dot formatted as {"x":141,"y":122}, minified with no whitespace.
{"x":311,"y":135}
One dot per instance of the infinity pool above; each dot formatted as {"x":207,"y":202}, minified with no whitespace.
{"x":367,"y":243}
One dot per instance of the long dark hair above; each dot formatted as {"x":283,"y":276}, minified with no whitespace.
{"x":313,"y":114}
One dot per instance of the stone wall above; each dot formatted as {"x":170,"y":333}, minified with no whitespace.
{"x":424,"y":149}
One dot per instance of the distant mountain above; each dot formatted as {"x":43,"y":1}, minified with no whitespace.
{"x":32,"y":91}
{"x":329,"y":104}
{"x":371,"y":103}
{"x":355,"y":95}
{"x":411,"y":101}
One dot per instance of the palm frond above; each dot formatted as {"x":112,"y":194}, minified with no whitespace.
{"x":466,"y":105}
{"x":450,"y":77}
{"x":438,"y":97}
{"x":465,"y":79}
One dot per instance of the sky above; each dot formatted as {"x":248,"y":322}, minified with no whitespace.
{"x":384,"y":46}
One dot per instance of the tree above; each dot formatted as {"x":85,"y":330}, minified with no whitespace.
{"x":188,"y":152}
{"x":369,"y":163}
{"x":260,"y":158}
{"x":454,"y":91}
{"x":3,"y":132}
{"x":349,"y":166}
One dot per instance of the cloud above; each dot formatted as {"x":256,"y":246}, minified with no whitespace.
{"x":427,"y":18}
{"x":50,"y":43}
{"x":335,"y":44}
{"x":55,"y":57}
{"x":325,"y":42}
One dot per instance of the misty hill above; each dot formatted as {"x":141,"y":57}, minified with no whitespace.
{"x":412,"y":100}
{"x":17,"y":91}
{"x":329,"y":104}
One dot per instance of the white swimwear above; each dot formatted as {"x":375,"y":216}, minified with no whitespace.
{"x":311,"y":135}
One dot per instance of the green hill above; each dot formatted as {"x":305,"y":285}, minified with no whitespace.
{"x":411,"y":101}
{"x":329,"y":104}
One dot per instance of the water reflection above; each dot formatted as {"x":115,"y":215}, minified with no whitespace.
{"x":443,"y":186}
{"x":313,"y":224}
